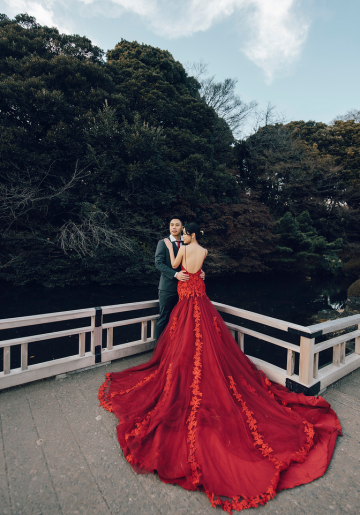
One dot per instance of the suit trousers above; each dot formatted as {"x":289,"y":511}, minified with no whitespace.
{"x":167,"y":302}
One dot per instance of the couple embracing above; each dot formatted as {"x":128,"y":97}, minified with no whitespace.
{"x":168,"y":286}
{"x":199,"y":413}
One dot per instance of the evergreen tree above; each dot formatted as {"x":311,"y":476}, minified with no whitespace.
{"x":302,"y":249}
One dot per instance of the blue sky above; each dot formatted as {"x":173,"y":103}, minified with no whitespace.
{"x":302,"y":56}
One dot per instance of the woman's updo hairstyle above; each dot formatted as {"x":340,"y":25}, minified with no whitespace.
{"x":193,"y":228}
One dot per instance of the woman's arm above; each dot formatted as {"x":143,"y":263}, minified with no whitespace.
{"x":175,"y":262}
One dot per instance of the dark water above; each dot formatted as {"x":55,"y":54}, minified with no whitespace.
{"x":283,"y":297}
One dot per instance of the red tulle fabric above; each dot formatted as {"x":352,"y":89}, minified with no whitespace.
{"x":201,"y":415}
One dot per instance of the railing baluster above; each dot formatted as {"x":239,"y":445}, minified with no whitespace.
{"x":357,"y":343}
{"x":6,"y":360}
{"x":82,"y":344}
{"x":153,"y":327}
{"x":316,"y":365}
{"x":241,"y":340}
{"x":306,"y":365}
{"x":290,"y":365}
{"x":24,"y":356}
{"x":342,"y":352}
{"x":143,"y":331}
{"x":336,"y":355}
{"x":233,"y":333}
{"x":109,"y":338}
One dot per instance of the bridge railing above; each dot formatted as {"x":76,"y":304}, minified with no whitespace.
{"x":310,"y":378}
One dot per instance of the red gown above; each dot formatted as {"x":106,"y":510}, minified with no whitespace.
{"x":201,"y":415}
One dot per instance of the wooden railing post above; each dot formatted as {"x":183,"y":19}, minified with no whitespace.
{"x":96,"y":334}
{"x":342,"y":352}
{"x":153,"y":327}
{"x":306,"y":365}
{"x":82,"y":344}
{"x":290,"y":364}
{"x":109,"y":338}
{"x":357,"y":343}
{"x":241,"y":340}
{"x":7,"y":360}
{"x":316,"y":365}
{"x":24,"y":356}
{"x":336,"y":355}
{"x":144,"y":331}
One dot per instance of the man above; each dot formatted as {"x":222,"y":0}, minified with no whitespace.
{"x":168,"y":296}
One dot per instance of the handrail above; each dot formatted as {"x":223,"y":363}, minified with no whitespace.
{"x":262,"y":319}
{"x":10,"y":323}
{"x":335,"y":325}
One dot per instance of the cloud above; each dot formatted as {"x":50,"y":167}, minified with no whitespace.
{"x":277,"y":36}
{"x":43,"y":11}
{"x":275,"y":29}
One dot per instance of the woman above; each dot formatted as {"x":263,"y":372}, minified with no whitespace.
{"x":201,"y":415}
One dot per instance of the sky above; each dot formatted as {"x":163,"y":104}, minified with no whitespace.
{"x":300,"y":55}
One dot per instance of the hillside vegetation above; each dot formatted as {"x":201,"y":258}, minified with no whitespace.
{"x":99,"y":152}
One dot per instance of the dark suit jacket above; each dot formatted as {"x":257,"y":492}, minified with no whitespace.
{"x":168,"y":281}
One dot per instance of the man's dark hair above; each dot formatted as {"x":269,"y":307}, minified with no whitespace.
{"x":177,"y":218}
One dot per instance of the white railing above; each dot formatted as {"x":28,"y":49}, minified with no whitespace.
{"x":310,"y":379}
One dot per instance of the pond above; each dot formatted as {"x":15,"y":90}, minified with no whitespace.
{"x":287,"y":298}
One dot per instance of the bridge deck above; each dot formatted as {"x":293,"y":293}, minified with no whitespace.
{"x":59,"y":455}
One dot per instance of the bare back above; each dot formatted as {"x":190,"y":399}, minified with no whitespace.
{"x":193,"y":259}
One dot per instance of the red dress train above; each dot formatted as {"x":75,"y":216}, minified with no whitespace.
{"x":201,"y":415}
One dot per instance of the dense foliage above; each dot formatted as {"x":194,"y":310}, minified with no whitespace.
{"x":97,"y":154}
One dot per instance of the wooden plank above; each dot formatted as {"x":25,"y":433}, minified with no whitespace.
{"x":82,"y":344}
{"x":306,"y":365}
{"x":316,"y":365}
{"x":261,"y":319}
{"x":263,"y":337}
{"x":24,"y":356}
{"x":335,"y":341}
{"x":47,"y":369}
{"x":7,"y":360}
{"x":335,"y":325}
{"x":130,"y":321}
{"x":144,"y":331}
{"x":290,"y":364}
{"x":119,"y":308}
{"x":46,"y":336}
{"x":9,"y":323}
{"x":336,"y":355}
{"x":109,"y":338}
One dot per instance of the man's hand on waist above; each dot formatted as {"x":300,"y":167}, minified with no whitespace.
{"x":182,"y":276}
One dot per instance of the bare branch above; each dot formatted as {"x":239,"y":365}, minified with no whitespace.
{"x":196,"y":70}
{"x":85,"y":237}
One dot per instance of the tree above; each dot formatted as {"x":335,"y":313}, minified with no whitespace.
{"x":93,"y":153}
{"x":289,"y":173}
{"x":222,"y":98}
{"x":302,"y":249}
{"x":352,"y":114}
